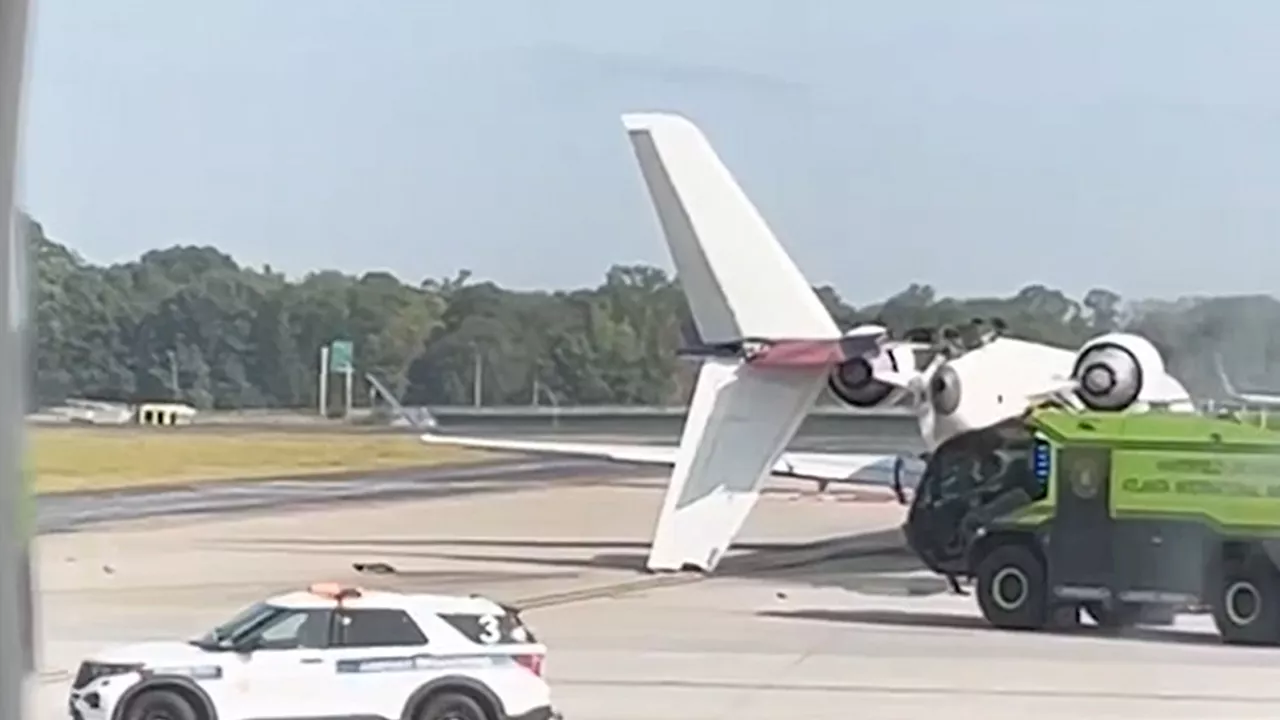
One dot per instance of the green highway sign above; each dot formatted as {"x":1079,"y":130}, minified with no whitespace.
{"x":341,"y":356}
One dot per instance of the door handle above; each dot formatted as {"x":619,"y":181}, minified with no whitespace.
{"x":312,"y":661}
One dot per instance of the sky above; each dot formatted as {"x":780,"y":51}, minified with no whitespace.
{"x":977,"y":146}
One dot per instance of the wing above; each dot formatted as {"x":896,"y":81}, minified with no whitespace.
{"x":874,"y":470}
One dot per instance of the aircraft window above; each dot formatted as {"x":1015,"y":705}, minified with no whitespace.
{"x":378,"y":628}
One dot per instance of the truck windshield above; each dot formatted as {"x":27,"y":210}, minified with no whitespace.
{"x":969,"y":481}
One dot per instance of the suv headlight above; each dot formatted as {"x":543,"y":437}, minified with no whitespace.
{"x":90,"y":671}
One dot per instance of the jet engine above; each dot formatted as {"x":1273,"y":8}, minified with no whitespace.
{"x":854,"y":381}
{"x":1110,"y":371}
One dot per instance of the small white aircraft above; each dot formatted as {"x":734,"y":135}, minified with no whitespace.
{"x":770,"y":347}
{"x":1262,"y":401}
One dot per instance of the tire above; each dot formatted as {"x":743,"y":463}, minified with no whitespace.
{"x":1246,"y":605}
{"x":452,"y":706}
{"x":160,"y":705}
{"x":1011,"y":588}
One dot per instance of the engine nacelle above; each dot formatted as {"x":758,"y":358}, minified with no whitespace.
{"x":1112,"y":370}
{"x":854,"y":381}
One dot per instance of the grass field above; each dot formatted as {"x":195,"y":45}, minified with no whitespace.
{"x":67,"y":459}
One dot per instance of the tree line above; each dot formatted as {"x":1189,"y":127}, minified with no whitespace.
{"x":190,"y":323}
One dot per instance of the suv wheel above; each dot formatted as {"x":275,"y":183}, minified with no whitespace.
{"x":452,"y":706}
{"x":160,"y":705}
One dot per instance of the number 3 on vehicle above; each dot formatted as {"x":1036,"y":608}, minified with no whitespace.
{"x":490,"y":629}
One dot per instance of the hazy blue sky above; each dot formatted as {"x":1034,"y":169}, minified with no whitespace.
{"x":975,"y":145}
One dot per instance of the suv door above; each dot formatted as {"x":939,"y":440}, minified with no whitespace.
{"x":286,"y":671}
{"x":381,"y":658}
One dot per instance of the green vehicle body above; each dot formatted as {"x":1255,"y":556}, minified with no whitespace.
{"x":1120,"y":508}
{"x":1173,"y":467}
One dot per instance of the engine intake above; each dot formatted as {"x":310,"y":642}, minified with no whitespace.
{"x":1111,"y":371}
{"x":944,"y":390}
{"x":854,"y":382}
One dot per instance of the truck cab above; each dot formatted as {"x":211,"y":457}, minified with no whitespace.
{"x":1126,"y":516}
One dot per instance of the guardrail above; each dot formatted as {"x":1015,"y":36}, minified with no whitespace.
{"x":596,"y":411}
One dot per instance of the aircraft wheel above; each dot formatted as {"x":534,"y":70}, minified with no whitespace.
{"x":1011,"y":588}
{"x":1247,"y":603}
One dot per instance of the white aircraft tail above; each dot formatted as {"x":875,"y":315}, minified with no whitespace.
{"x":744,"y":291}
{"x":739,"y":281}
{"x":1267,"y":400}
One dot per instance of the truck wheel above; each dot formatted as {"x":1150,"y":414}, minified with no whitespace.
{"x":1247,"y":607}
{"x":160,"y":705}
{"x":452,"y":706}
{"x":1011,"y":588}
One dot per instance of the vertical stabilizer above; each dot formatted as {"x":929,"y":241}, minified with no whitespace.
{"x":739,"y":281}
{"x":740,"y":285}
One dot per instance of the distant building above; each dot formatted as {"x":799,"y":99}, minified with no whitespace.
{"x":163,"y":413}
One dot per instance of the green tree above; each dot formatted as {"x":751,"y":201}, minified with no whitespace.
{"x":238,"y":337}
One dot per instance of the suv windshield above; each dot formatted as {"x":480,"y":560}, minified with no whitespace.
{"x":243,"y":623}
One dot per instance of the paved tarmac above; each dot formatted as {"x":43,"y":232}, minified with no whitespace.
{"x":818,"y":613}
{"x":73,"y":511}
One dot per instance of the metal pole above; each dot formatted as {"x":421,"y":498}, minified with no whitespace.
{"x":173,"y":375}
{"x":17,"y":622}
{"x":346,"y":393}
{"x":477,"y":378}
{"x":324,"y":381}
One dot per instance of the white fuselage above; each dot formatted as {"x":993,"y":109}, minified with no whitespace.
{"x":1001,"y":379}
{"x":997,"y":382}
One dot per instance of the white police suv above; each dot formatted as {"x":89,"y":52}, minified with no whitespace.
{"x":330,"y":652}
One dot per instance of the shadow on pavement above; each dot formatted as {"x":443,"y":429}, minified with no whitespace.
{"x":855,"y":562}
{"x":924,"y":619}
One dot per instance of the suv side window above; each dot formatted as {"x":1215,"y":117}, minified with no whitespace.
{"x":491,"y":629}
{"x":377,"y":628}
{"x":294,"y":630}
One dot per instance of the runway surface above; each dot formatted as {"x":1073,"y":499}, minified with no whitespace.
{"x":72,"y":511}
{"x":817,"y":613}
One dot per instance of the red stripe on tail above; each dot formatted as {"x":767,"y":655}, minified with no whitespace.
{"x":798,"y":354}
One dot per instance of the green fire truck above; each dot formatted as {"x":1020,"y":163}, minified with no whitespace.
{"x":1128,"y":517}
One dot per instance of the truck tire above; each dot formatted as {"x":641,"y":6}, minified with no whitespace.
{"x":1011,"y":588}
{"x":1246,"y":608}
{"x":160,"y":705}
